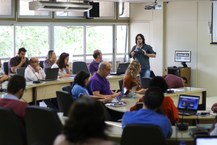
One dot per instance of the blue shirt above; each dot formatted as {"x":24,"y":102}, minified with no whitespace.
{"x":147,"y":116}
{"x":78,"y":90}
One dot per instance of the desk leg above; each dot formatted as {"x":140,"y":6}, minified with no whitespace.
{"x":203,"y":105}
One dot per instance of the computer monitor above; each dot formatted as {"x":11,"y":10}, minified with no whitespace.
{"x":182,"y":56}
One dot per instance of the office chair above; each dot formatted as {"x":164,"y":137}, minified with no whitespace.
{"x":79,"y":66}
{"x":21,"y":71}
{"x":64,"y":100}
{"x":145,"y":82}
{"x":6,"y":67}
{"x":12,"y":130}
{"x":42,"y":125}
{"x":67,"y":89}
{"x":41,"y":63}
{"x":141,"y":134}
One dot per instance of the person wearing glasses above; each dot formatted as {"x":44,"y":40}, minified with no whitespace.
{"x":51,"y":59}
{"x":18,"y":61}
{"x":34,"y":72}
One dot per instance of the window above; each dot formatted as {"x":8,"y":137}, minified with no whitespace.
{"x":33,"y":38}
{"x":24,"y":9}
{"x":6,"y":41}
{"x":6,"y":8}
{"x":214,"y":22}
{"x":69,"y":39}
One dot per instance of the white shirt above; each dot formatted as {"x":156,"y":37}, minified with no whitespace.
{"x":32,"y":75}
{"x":214,"y":131}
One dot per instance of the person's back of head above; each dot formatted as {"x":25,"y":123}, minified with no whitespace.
{"x":96,"y":53}
{"x":86,"y":120}
{"x":15,"y":84}
{"x":153,"y":98}
{"x":160,"y":82}
{"x":133,"y":68}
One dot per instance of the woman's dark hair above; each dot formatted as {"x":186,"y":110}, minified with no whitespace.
{"x":86,"y":120}
{"x":80,"y":78}
{"x":143,"y":38}
{"x":61,"y":60}
{"x":49,"y":54}
{"x":160,"y":82}
{"x":153,"y":98}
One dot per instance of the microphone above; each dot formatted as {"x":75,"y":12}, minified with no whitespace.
{"x":183,"y":126}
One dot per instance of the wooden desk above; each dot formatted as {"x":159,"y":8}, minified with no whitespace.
{"x":116,"y":130}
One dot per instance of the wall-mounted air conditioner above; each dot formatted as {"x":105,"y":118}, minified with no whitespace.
{"x":59,"y":6}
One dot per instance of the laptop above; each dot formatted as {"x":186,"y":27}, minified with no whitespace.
{"x":51,"y":74}
{"x":205,"y":140}
{"x":122,"y":67}
{"x":120,"y":96}
{"x":188,"y":104}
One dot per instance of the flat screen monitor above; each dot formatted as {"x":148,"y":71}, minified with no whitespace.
{"x":182,"y":56}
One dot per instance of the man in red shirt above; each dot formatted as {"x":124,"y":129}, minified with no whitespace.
{"x":174,"y":81}
{"x":16,"y":87}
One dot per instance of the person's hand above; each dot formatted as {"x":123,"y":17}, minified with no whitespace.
{"x":132,"y":53}
{"x":4,"y":78}
{"x":37,"y":68}
{"x":144,"y":52}
{"x":23,"y":60}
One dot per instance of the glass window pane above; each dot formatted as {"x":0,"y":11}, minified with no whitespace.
{"x":99,"y":37}
{"x":24,"y":9}
{"x":6,"y":41}
{"x":68,"y":39}
{"x":33,"y":38}
{"x":122,"y":39}
{"x":6,"y":7}
{"x":124,"y":9}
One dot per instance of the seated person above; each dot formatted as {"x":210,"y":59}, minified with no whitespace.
{"x":18,"y":61}
{"x":213,"y":132}
{"x":34,"y":72}
{"x":51,"y":59}
{"x":86,"y":124}
{"x":151,"y":112}
{"x":174,"y":81}
{"x":62,"y":62}
{"x":16,"y":88}
{"x":81,"y":81}
{"x":131,"y":79}
{"x":94,"y":65}
{"x":3,"y":76}
{"x":99,"y":85}
{"x":168,"y":105}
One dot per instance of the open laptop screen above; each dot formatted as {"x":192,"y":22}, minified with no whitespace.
{"x":205,"y":140}
{"x":188,"y":102}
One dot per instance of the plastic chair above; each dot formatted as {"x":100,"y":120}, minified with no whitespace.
{"x":141,"y":134}
{"x":64,"y":100}
{"x":79,"y":66}
{"x":42,"y":125}
{"x":12,"y":130}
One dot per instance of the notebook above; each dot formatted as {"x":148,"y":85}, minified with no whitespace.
{"x":51,"y":74}
{"x":188,"y":104}
{"x":122,"y":67}
{"x":205,"y":140}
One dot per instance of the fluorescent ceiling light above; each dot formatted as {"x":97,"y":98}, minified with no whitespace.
{"x":59,"y":6}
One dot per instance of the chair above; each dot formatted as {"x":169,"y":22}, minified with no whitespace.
{"x":41,"y":63}
{"x":67,"y":89}
{"x":21,"y":71}
{"x":120,"y":82}
{"x":12,"y":130}
{"x":145,"y":82}
{"x":64,"y":100}
{"x":6,"y":68}
{"x":42,"y":125}
{"x":141,"y":134}
{"x":79,"y":66}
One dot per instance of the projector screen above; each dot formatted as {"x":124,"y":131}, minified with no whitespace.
{"x":214,"y":22}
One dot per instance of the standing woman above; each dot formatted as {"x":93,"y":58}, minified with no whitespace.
{"x":131,"y":79}
{"x":62,"y":62}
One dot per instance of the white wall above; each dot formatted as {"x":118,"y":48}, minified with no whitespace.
{"x":184,"y":26}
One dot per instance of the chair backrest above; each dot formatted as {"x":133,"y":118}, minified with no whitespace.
{"x":5,"y":67}
{"x":21,"y":71}
{"x":67,"y":89}
{"x":64,"y":100}
{"x":41,"y":63}
{"x":78,"y":66}
{"x":42,"y":125}
{"x":145,"y":82}
{"x":140,"y":134}
{"x":12,"y":130}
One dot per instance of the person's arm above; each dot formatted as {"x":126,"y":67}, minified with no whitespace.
{"x":3,"y":78}
{"x":30,"y":75}
{"x":132,"y":53}
{"x":14,"y":68}
{"x":150,"y":52}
